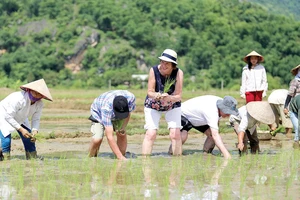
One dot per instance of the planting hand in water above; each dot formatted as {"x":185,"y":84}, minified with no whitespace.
{"x":110,"y":113}
{"x":245,"y":124}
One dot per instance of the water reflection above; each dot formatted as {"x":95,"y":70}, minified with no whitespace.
{"x":172,"y":182}
{"x":6,"y":190}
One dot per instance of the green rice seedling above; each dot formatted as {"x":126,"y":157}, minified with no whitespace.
{"x":118,"y":124}
{"x":168,"y":84}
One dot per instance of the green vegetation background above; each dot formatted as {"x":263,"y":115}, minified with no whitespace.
{"x":210,"y":36}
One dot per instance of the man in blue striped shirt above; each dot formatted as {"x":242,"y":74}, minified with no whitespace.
{"x":110,"y":113}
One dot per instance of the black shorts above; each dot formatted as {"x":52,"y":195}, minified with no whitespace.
{"x":186,"y":125}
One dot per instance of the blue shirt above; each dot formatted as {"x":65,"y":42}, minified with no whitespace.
{"x":102,"y":107}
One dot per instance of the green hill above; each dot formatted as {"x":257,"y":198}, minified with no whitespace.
{"x":91,"y":43}
{"x":289,"y":8}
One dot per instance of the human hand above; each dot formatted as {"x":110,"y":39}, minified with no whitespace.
{"x":240,"y":146}
{"x":166,"y":97}
{"x":243,"y":96}
{"x":25,"y":133}
{"x":286,"y":111}
{"x":122,"y":158}
{"x":158,"y":96}
{"x":264,"y":94}
{"x":121,"y":132}
{"x":33,"y":138}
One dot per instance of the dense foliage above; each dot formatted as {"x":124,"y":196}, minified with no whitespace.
{"x":211,"y":37}
{"x":284,"y":7}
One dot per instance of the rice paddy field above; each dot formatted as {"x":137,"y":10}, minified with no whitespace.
{"x":66,"y":172}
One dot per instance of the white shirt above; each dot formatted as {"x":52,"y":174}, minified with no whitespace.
{"x":278,"y":96}
{"x":246,"y":122}
{"x":254,"y":79}
{"x":202,"y":111}
{"x":15,"y":110}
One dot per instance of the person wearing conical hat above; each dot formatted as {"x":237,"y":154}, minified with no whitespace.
{"x":246,"y":123}
{"x":294,"y":90}
{"x":254,"y":84}
{"x":15,"y":111}
{"x":277,"y":99}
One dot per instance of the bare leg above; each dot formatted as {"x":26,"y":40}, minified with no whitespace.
{"x":288,"y":132}
{"x":122,"y":143}
{"x":94,"y":147}
{"x":148,"y":142}
{"x":184,"y":137}
{"x":209,"y":144}
{"x":175,"y":137}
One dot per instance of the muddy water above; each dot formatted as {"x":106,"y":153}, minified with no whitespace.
{"x":67,"y":172}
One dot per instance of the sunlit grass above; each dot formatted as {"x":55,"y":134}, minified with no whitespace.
{"x":253,"y":176}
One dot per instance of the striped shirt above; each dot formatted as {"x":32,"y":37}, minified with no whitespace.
{"x":102,"y":107}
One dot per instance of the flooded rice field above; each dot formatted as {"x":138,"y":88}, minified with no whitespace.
{"x":67,"y":173}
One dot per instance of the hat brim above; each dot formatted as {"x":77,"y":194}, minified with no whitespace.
{"x":226,"y":110}
{"x":294,"y":71}
{"x":167,"y":59}
{"x":261,"y":111}
{"x":40,"y":87}
{"x":261,"y":59}
{"x":119,"y":115}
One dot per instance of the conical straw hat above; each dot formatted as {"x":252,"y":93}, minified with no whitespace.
{"x":261,"y":111}
{"x":294,"y":71}
{"x":253,"y":53}
{"x":40,"y":87}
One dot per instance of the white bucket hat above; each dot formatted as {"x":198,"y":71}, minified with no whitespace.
{"x":261,"y":111}
{"x":40,"y":87}
{"x":169,"y":55}
{"x":228,"y":105}
{"x":253,"y":53}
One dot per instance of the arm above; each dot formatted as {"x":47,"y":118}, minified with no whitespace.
{"x":241,"y":136}
{"x":243,"y":85}
{"x":218,"y":141}
{"x":287,"y":101}
{"x":35,"y":119}
{"x":125,"y":122}
{"x":11,"y":108}
{"x":265,"y":82}
{"x":109,"y":131}
{"x":151,"y":86}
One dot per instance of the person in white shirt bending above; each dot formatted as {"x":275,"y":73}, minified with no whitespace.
{"x":15,"y":111}
{"x":203,"y":114}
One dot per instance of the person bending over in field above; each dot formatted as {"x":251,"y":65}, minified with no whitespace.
{"x":246,"y":123}
{"x":15,"y":111}
{"x":110,"y":112}
{"x":203,"y":114}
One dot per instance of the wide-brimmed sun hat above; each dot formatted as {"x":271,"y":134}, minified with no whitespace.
{"x":169,"y":55}
{"x":294,"y":71}
{"x":120,"y":106}
{"x":253,"y":53}
{"x":39,"y":86}
{"x":228,"y":105}
{"x":261,"y":111}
